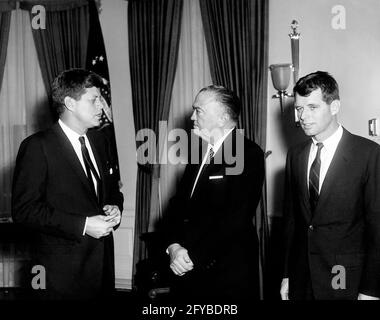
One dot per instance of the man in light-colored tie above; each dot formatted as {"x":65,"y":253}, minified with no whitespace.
{"x":212,"y":242}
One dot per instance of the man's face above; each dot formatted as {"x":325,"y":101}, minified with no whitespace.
{"x":317,"y":118}
{"x":207,"y":115}
{"x":87,"y":110}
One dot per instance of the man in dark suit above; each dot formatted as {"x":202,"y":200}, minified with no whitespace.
{"x":332,"y":203}
{"x":213,"y":245}
{"x":64,"y":190}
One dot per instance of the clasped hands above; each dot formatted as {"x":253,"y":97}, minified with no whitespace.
{"x":102,"y":225}
{"x":180,"y":262}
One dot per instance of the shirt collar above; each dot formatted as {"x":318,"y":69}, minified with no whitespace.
{"x":218,"y":144}
{"x":332,"y":141}
{"x":70,"y":133}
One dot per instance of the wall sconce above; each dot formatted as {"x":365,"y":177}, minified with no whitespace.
{"x":281,"y":77}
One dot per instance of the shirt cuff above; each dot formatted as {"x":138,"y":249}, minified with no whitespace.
{"x":84,"y":229}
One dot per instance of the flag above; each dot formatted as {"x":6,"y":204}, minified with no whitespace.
{"x":97,"y":62}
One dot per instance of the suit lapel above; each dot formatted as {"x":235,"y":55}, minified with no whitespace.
{"x":66,"y":149}
{"x":220,"y":161}
{"x":99,"y":164}
{"x":336,"y":169}
{"x":97,"y":156}
{"x":201,"y":179}
{"x":302,"y":167}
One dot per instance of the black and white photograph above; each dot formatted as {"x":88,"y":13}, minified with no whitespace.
{"x":189,"y":158}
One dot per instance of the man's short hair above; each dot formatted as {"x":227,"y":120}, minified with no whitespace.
{"x":72,"y":83}
{"x":226,"y":98}
{"x":319,"y":79}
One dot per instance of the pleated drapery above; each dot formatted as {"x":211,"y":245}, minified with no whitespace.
{"x":5,"y":22}
{"x":236,"y":34}
{"x":63,"y":43}
{"x":154,"y":32}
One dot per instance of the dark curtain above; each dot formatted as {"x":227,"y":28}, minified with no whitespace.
{"x":236,"y":33}
{"x":154,"y":32}
{"x":5,"y":22}
{"x":63,"y":43}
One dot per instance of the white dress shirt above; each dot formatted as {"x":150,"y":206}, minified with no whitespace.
{"x":74,"y":140}
{"x":215,"y":148}
{"x":327,"y":153}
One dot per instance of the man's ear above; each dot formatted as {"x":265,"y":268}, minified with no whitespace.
{"x":224,"y":119}
{"x":335,"y":107}
{"x":69,"y":103}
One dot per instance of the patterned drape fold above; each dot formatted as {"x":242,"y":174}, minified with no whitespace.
{"x":237,"y":43}
{"x":5,"y":22}
{"x":23,"y":111}
{"x":193,"y":73}
{"x":63,"y":43}
{"x":154,"y":32}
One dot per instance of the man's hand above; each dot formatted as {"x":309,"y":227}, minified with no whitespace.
{"x":113,"y":214}
{"x":180,"y":262}
{"x":98,"y":227}
{"x":365,"y":297}
{"x":284,"y":291}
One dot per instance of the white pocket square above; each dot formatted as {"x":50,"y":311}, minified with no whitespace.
{"x":215,"y":177}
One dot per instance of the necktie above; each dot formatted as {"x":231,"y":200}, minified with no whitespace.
{"x":314,"y":178}
{"x":90,"y":168}
{"x":210,"y":155}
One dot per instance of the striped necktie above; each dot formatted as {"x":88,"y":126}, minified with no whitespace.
{"x":314,"y":178}
{"x":90,"y":168}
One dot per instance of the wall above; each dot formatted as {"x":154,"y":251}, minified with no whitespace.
{"x":114,"y":23}
{"x":351,"y":55}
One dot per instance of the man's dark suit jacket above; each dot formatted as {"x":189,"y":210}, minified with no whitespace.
{"x":216,"y":226}
{"x":345,"y":227}
{"x":51,"y":195}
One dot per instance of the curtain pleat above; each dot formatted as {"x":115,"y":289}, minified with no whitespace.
{"x":23,"y":111}
{"x":237,"y":43}
{"x":52,"y":5}
{"x":154,"y":31}
{"x":63,"y":43}
{"x":193,"y":73}
{"x":5,"y":22}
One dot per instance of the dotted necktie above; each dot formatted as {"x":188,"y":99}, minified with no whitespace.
{"x":90,"y":169}
{"x":314,"y":178}
{"x":210,"y":155}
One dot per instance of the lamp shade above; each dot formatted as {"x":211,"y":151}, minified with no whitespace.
{"x":281,"y":75}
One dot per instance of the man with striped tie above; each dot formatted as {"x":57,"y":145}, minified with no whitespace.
{"x":64,"y":190}
{"x":332,"y":203}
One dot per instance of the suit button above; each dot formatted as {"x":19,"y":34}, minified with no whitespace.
{"x":311,"y":227}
